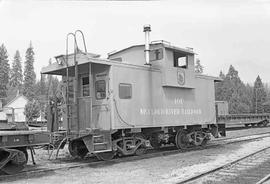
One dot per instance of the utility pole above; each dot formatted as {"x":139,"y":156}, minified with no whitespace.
{"x":256,"y":103}
{"x":256,"y":89}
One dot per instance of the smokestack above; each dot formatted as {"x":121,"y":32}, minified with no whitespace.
{"x":147,"y":30}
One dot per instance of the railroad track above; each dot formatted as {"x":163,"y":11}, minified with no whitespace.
{"x":169,"y":150}
{"x":252,"y":168}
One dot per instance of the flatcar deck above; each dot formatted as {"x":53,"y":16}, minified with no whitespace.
{"x":14,"y":145}
{"x":23,"y":138}
{"x":244,"y":119}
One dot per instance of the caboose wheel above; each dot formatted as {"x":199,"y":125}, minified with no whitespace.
{"x":135,"y":144}
{"x":141,"y":149}
{"x":198,"y":138}
{"x":24,"y":150}
{"x":181,"y":139}
{"x":106,"y":156}
{"x":18,"y":161}
{"x":77,"y":148}
{"x":265,"y":123}
{"x":72,"y":148}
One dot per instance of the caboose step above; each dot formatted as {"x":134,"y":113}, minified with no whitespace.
{"x":98,"y":136}
{"x":98,"y":139}
{"x":101,"y":143}
{"x":101,"y":146}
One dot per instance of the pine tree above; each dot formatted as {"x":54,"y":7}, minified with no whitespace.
{"x":198,"y":66}
{"x":42,"y":85}
{"x":266,"y":105}
{"x":16,"y":78}
{"x":4,"y":71}
{"x":29,"y":74}
{"x":41,"y":91}
{"x":231,"y":82}
{"x":32,"y":110}
{"x":259,"y":96}
{"x":219,"y":92}
{"x":234,"y":91}
{"x":53,"y":87}
{"x":249,"y":95}
{"x":236,"y":105}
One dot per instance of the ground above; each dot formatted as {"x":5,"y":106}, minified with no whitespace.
{"x":163,"y":169}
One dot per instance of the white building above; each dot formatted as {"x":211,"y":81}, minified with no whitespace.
{"x":15,"y":106}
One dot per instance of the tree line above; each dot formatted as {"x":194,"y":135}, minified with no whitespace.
{"x":14,"y":80}
{"x":241,"y":97}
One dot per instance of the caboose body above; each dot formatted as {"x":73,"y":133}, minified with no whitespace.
{"x":124,"y":105}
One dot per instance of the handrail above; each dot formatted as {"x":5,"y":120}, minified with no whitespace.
{"x":82,"y":35}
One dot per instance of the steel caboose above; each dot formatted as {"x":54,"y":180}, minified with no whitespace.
{"x":142,"y":96}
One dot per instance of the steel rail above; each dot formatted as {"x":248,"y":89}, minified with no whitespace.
{"x":151,"y":154}
{"x":203,"y":174}
{"x":263,"y":180}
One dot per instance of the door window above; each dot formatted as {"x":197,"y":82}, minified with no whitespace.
{"x":100,"y":89}
{"x":85,"y":86}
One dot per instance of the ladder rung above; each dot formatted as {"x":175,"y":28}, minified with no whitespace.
{"x":101,"y":143}
{"x":98,"y":136}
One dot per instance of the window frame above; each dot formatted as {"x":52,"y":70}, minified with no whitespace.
{"x":153,"y":54}
{"x":103,"y":80}
{"x":127,"y":84}
{"x":186,"y":62}
{"x":82,"y":86}
{"x":176,"y":56}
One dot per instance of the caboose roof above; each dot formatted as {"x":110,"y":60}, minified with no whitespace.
{"x":166,"y":45}
{"x":82,"y":58}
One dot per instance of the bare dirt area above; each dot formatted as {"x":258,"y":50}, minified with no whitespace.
{"x":163,"y":169}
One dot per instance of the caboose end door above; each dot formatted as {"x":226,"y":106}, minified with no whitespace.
{"x":101,"y":99}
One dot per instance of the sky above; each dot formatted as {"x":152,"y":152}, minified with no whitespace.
{"x":222,"y":33}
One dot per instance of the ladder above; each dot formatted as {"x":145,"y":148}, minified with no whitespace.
{"x":72,"y":103}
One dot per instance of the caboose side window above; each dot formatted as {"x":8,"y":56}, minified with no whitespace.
{"x":180,"y":60}
{"x":100,"y":89}
{"x":156,"y":54}
{"x":85,"y":86}
{"x":125,"y":91}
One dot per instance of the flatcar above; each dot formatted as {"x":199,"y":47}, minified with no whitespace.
{"x":13,"y":148}
{"x":139,"y":97}
{"x":15,"y":141}
{"x":239,"y":120}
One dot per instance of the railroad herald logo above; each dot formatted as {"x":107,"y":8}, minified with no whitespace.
{"x":181,"y":77}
